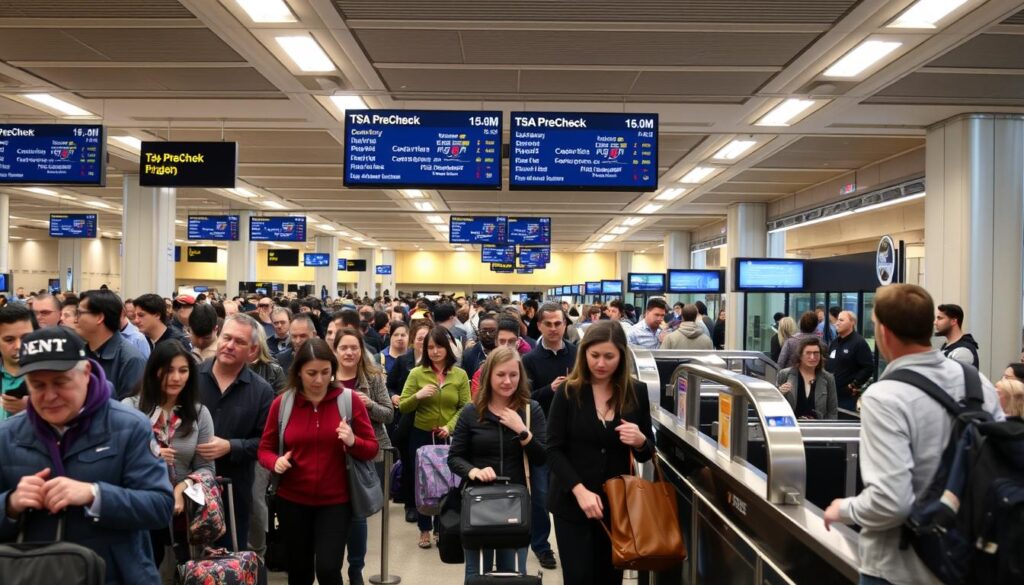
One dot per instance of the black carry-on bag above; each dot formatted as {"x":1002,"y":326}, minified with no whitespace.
{"x":517,"y":578}
{"x":45,"y":563}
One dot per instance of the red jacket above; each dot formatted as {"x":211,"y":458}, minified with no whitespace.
{"x":317,"y":476}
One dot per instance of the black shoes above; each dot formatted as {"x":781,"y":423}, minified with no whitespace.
{"x":547,"y":559}
{"x":355,"y":578}
{"x":410,"y":515}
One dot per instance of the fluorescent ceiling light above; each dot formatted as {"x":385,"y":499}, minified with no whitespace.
{"x":734,"y":149}
{"x":651,"y":208}
{"x":342,"y":233}
{"x":670,"y":194}
{"x":266,"y":11}
{"x":425,"y":206}
{"x":441,"y":228}
{"x":595,"y":246}
{"x":925,"y":13}
{"x":889,"y":203}
{"x":697,"y":175}
{"x":179,"y":222}
{"x":631,"y":221}
{"x":606,"y":238}
{"x":350,"y":102}
{"x":130,"y":141}
{"x":784,"y":113}
{"x":272,"y":204}
{"x":358,"y":238}
{"x":242,"y":192}
{"x":412,"y":193}
{"x":865,"y":55}
{"x":811,"y":222}
{"x":435,"y":219}
{"x":58,"y":104}
{"x":100,"y":204}
{"x":619,"y":230}
{"x":306,"y":53}
{"x":41,"y":191}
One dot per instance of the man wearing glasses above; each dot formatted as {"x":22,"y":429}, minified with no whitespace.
{"x":47,"y":311}
{"x":263,"y":310}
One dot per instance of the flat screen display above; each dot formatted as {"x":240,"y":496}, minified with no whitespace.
{"x":568,"y":151}
{"x":696,"y":281}
{"x":277,"y":228}
{"x":207,"y":254}
{"x":576,"y":290}
{"x":503,"y":268}
{"x":494,"y":253}
{"x":213,"y":227}
{"x":177,"y":253}
{"x":5,"y":283}
{"x":593,"y":288}
{"x":646,"y":282}
{"x":524,"y":270}
{"x":72,"y":225}
{"x":52,"y":285}
{"x":52,"y":154}
{"x":529,"y":231}
{"x":383,"y":269}
{"x":611,"y":287}
{"x":534,"y":256}
{"x":282,"y":257}
{"x":188,"y":164}
{"x":769,"y":274}
{"x":342,"y":263}
{"x":356,"y":266}
{"x":423,"y":149}
{"x":316,"y":259}
{"x":478,"y":230}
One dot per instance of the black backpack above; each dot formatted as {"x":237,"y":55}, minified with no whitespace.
{"x":968,"y":526}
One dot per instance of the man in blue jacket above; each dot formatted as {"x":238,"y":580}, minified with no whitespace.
{"x":77,"y":454}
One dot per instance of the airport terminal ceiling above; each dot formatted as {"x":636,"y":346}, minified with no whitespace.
{"x":715,"y":71}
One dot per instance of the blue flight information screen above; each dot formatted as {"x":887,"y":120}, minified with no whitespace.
{"x":422,"y":148}
{"x":72,"y":225}
{"x":611,"y":287}
{"x":52,"y":154}
{"x":593,"y":288}
{"x":534,"y":256}
{"x":769,"y":274}
{"x":646,"y":282}
{"x":316,"y":259}
{"x":277,"y":229}
{"x":478,"y":230}
{"x":695,"y":281}
{"x":342,"y":263}
{"x":503,"y":254}
{"x":601,"y":152}
{"x":213,"y":227}
{"x":529,"y":230}
{"x":383,"y":269}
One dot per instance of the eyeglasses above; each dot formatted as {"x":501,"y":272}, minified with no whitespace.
{"x":264,"y":305}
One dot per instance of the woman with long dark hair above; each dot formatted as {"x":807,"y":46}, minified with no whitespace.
{"x":168,"y":395}
{"x":596,"y":426}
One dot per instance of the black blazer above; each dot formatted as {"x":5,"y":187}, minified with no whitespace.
{"x":400,"y":372}
{"x":475,"y":443}
{"x":582,"y":450}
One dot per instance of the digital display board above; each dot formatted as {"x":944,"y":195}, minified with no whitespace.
{"x":177,"y":253}
{"x":544,"y":251}
{"x":696,"y":281}
{"x":493,"y":253}
{"x":529,"y":231}
{"x":188,"y":164}
{"x":503,"y":267}
{"x":769,"y":274}
{"x":206,"y":254}
{"x":478,"y":230}
{"x":72,"y":225}
{"x":213,"y":227}
{"x":52,"y":154}
{"x":383,"y":269}
{"x":605,"y":152}
{"x":282,"y":258}
{"x":277,"y":228}
{"x":422,"y":149}
{"x":524,"y":270}
{"x":646,"y":282}
{"x":5,"y":283}
{"x":316,"y":259}
{"x":534,"y":257}
{"x":356,"y":266}
{"x":611,"y":287}
{"x":342,"y":263}
{"x":593,"y":288}
{"x":576,"y":289}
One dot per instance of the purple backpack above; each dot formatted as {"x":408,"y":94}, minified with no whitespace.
{"x":434,"y":479}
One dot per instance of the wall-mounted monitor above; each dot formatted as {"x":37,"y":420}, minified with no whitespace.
{"x":593,"y":288}
{"x":356,"y":265}
{"x":768,"y":275}
{"x":52,"y":154}
{"x":277,"y":228}
{"x":213,"y":227}
{"x":5,"y":283}
{"x":316,"y":259}
{"x":642,"y":282}
{"x":529,"y":231}
{"x":342,"y":263}
{"x":611,"y":287}
{"x":696,"y":281}
{"x":72,"y":225}
{"x":494,"y":253}
{"x":383,"y":269}
{"x":478,"y":230}
{"x":282,"y":257}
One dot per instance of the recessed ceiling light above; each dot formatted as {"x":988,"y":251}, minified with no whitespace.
{"x":341,"y":233}
{"x":670,"y":194}
{"x":734,"y":149}
{"x":358,"y":238}
{"x":784,"y":113}
{"x":179,"y":222}
{"x":131,"y":142}
{"x":441,"y":228}
{"x":424,"y":206}
{"x":697,"y":175}
{"x":434,"y":219}
{"x":412,"y":193}
{"x":865,"y":55}
{"x":242,"y":192}
{"x":306,"y":53}
{"x":630,"y":221}
{"x":271,"y":204}
{"x":606,"y":238}
{"x":348,"y":102}
{"x":619,"y":230}
{"x":651,"y":208}
{"x":100,"y":204}
{"x":41,"y":191}
{"x":925,"y":13}
{"x":596,"y":245}
{"x":265,"y":11}
{"x":55,"y":103}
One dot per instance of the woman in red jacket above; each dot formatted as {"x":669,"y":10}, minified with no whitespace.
{"x":313,"y":499}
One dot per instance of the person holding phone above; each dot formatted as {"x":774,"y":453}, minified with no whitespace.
{"x":15,"y":323}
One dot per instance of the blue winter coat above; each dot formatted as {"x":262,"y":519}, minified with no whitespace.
{"x":135,"y":492}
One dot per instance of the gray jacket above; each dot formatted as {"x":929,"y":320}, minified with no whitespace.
{"x":380,"y":409}
{"x":689,"y":335}
{"x":902,"y":436}
{"x":826,"y":403}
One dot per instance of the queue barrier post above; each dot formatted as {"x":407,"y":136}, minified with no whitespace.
{"x":385,"y":578}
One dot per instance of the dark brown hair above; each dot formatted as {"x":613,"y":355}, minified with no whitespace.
{"x":808,"y":322}
{"x":804,"y":344}
{"x":907,"y":310}
{"x":498,"y":356}
{"x":366,"y":367}
{"x":440,"y":336}
{"x":623,"y":395}
{"x":312,"y":349}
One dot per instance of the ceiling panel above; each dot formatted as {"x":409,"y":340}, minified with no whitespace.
{"x":43,"y":44}
{"x":728,"y":198}
{"x":93,"y":9}
{"x":411,"y":46}
{"x":450,"y":80}
{"x":156,"y":44}
{"x":685,"y":83}
{"x":786,"y":176}
{"x":838,"y":152}
{"x":1015,"y":19}
{"x":296,"y":170}
{"x":755,"y":188}
{"x":331,"y":155}
{"x":672,"y":147}
{"x":954,"y":88}
{"x":99,"y":80}
{"x":988,"y":51}
{"x":576,"y":82}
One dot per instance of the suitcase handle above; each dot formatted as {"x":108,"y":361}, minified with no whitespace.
{"x":20,"y":539}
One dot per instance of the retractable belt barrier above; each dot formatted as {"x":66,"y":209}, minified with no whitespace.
{"x":385,"y":577}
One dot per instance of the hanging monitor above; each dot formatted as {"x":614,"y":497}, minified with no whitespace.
{"x":213,"y":227}
{"x":593,"y":288}
{"x":478,"y":230}
{"x":72,"y":225}
{"x":769,"y":275}
{"x":529,"y":231}
{"x":316,"y":259}
{"x":646,"y":282}
{"x":611,"y":287}
{"x":188,"y":164}
{"x":696,"y":281}
{"x":277,"y":228}
{"x":52,"y":154}
{"x":282,"y":257}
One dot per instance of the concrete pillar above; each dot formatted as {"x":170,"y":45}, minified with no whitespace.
{"x":241,"y":256}
{"x":623,"y":266}
{"x":5,"y":233}
{"x":367,"y":280}
{"x":777,"y":245}
{"x":389,"y":282}
{"x":69,"y":261}
{"x":148,"y":240}
{"x":747,"y":229}
{"x":327,"y":275}
{"x":974,"y":215}
{"x":677,"y":250}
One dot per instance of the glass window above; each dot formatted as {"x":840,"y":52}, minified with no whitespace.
{"x":761,"y":307}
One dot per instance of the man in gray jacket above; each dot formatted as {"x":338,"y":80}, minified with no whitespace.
{"x":903,"y":433}
{"x":689,"y":335}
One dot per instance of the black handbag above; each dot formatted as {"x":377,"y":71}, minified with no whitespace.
{"x":449,"y":537}
{"x":496,"y":515}
{"x":25,"y":563}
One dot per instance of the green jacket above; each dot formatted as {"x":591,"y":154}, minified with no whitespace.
{"x":441,"y":409}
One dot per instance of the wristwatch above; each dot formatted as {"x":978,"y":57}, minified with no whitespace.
{"x":523,"y":435}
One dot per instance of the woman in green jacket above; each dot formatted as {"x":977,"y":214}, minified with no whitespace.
{"x":436,"y":390}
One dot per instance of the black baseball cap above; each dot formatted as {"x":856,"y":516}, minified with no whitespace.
{"x":55,"y":349}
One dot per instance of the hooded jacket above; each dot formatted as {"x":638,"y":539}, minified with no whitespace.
{"x":689,"y":335}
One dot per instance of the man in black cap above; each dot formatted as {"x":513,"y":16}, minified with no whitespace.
{"x":77,"y":452}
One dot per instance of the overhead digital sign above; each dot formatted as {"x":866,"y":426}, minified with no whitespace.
{"x":646,"y":282}
{"x":282,"y":257}
{"x":494,"y":253}
{"x":423,"y":149}
{"x":356,"y":266}
{"x":769,"y":274}
{"x":206,"y":254}
{"x":478,"y":230}
{"x":572,"y":151}
{"x":696,"y":281}
{"x":529,"y":231}
{"x":213,"y":227}
{"x":534,"y":256}
{"x":383,"y":269}
{"x":342,"y":263}
{"x":52,"y":154}
{"x":188,"y":164}
{"x":316,"y":259}
{"x":611,"y":287}
{"x":72,"y":225}
{"x":593,"y":288}
{"x":524,"y":270}
{"x":503,"y":268}
{"x":277,"y":229}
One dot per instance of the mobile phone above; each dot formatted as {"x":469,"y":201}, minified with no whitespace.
{"x":19,"y":392}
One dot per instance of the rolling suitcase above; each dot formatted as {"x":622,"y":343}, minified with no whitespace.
{"x":218,"y":566}
{"x":35,"y":563}
{"x":516,"y":578}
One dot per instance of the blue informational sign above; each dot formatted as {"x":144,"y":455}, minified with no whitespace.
{"x":383,"y":269}
{"x":503,"y":268}
{"x":593,"y":288}
{"x":493,"y":253}
{"x":72,"y":225}
{"x":5,"y":282}
{"x":524,"y":270}
{"x":577,"y":289}
{"x":316,"y":259}
{"x":611,"y":287}
{"x":478,"y":230}
{"x":277,"y":229}
{"x":780,"y":421}
{"x":529,"y":230}
{"x":534,"y":256}
{"x":769,"y":274}
{"x":52,"y":154}
{"x":605,"y":152}
{"x":177,"y":253}
{"x":213,"y":227}
{"x":342,"y":263}
{"x":422,"y":149}
{"x":646,"y":282}
{"x":696,"y":281}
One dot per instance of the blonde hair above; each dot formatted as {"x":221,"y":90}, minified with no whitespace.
{"x":1014,"y":390}
{"x":787,"y":328}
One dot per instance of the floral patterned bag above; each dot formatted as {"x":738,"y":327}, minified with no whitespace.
{"x":206,"y":523}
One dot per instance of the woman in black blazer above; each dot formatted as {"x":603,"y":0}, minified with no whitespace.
{"x":601,"y":417}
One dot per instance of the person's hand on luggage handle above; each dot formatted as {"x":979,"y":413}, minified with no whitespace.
{"x":366,"y":399}
{"x":512,"y":420}
{"x":441,"y":432}
{"x":283,"y":463}
{"x":629,"y":434}
{"x":167,"y":454}
{"x":215,"y":449}
{"x":486,"y":474}
{"x":426,"y":391}
{"x":29,"y":494}
{"x":345,"y":433}
{"x":589,"y":502}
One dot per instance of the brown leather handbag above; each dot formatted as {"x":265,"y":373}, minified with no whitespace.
{"x":644,"y":515}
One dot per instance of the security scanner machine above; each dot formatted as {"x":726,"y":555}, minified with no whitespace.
{"x":751,"y":480}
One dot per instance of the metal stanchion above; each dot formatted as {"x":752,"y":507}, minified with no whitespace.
{"x":386,"y":578}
